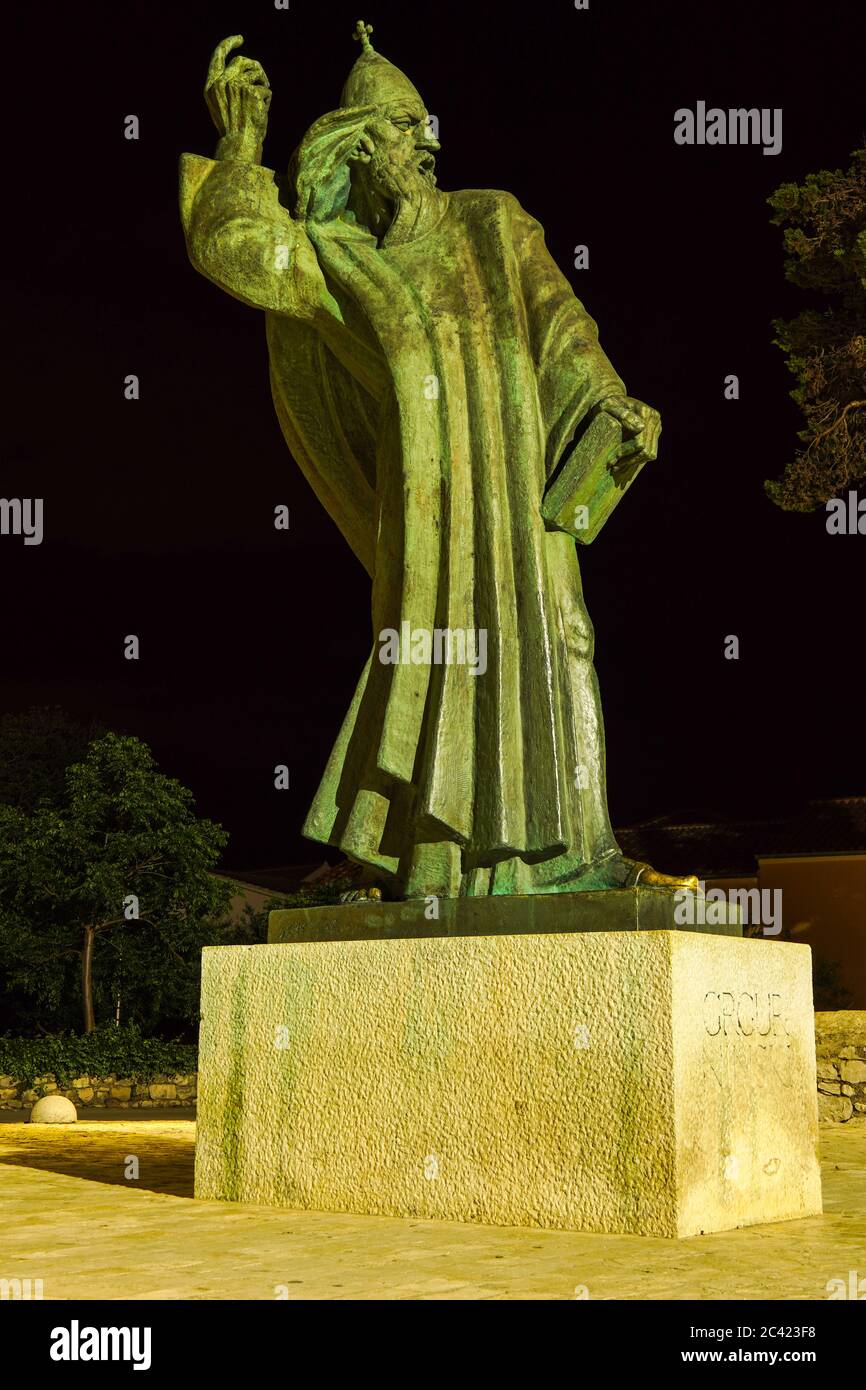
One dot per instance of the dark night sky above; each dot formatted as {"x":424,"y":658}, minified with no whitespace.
{"x":158,"y":513}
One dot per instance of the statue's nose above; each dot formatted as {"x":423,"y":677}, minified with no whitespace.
{"x":427,"y":140}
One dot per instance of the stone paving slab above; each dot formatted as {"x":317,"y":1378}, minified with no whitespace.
{"x":71,"y":1219}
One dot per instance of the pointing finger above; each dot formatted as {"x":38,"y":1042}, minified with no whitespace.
{"x":218,"y":57}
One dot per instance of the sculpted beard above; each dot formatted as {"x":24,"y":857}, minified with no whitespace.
{"x":399,"y":181}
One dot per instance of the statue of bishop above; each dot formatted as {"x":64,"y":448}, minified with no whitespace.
{"x":435,"y":377}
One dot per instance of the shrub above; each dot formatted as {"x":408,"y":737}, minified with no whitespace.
{"x":104,"y":1052}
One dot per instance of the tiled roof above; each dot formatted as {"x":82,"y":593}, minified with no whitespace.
{"x":714,"y":845}
{"x":281,"y":878}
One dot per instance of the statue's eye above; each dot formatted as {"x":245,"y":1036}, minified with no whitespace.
{"x":403,"y":122}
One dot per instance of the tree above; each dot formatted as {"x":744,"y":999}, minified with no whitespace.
{"x":825,"y":238}
{"x":36,"y":747}
{"x":119,"y":863}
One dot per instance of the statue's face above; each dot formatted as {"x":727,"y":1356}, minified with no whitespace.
{"x":404,"y":158}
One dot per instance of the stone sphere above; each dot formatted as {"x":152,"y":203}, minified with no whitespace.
{"x":53,"y":1110}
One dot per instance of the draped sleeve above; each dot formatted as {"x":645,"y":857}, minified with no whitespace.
{"x":573,"y":373}
{"x":240,"y":237}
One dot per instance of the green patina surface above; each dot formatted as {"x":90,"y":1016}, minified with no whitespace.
{"x":446,"y":396}
{"x":626,"y":909}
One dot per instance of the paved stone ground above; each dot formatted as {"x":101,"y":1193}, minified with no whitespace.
{"x":71,"y":1218}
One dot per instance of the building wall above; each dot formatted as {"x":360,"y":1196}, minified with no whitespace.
{"x":247,"y":895}
{"x":824,"y":905}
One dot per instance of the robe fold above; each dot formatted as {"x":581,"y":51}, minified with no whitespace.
{"x":428,"y":390}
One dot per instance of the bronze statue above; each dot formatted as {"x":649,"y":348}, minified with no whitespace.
{"x":445,"y":394}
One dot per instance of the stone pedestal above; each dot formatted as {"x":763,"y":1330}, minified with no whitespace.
{"x":654,"y":1082}
{"x":626,"y":909}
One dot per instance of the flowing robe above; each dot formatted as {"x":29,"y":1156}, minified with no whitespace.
{"x":428,"y":390}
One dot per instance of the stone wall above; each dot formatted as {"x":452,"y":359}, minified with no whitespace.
{"x":840,"y":1039}
{"x":121,"y":1092}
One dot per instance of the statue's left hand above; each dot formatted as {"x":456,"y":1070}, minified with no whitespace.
{"x":640,"y":423}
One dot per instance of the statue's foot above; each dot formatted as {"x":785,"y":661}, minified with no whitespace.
{"x":615,"y":872}
{"x":645,"y":876}
{"x":362,"y":895}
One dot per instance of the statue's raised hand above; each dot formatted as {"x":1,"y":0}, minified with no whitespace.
{"x":238,"y":97}
{"x":321,"y":164}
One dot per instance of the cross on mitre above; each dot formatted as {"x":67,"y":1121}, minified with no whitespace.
{"x":362,"y":35}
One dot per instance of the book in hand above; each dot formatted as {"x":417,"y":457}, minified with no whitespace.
{"x":589,"y":481}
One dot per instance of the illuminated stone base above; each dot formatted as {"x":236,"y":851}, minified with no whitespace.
{"x":653,"y":1082}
